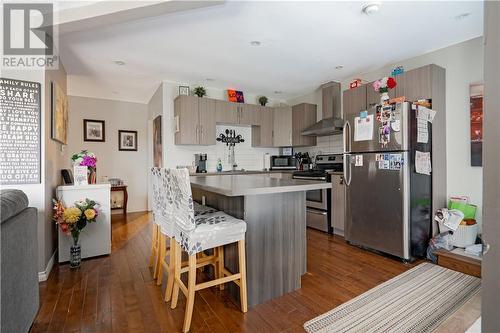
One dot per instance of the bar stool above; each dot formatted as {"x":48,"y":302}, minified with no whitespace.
{"x":163,"y":220}
{"x":162,"y":216}
{"x":194,"y":234}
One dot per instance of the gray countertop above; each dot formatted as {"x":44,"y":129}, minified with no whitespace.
{"x":240,"y":185}
{"x":243,"y":172}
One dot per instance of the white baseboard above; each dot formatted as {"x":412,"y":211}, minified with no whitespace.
{"x":44,"y":275}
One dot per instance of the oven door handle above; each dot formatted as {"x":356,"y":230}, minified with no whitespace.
{"x":309,"y":178}
{"x":317,"y":212}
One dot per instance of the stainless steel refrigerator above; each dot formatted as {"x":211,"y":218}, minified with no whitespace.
{"x":388,"y":204}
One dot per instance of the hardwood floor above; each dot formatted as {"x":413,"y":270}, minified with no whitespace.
{"x":117,"y":294}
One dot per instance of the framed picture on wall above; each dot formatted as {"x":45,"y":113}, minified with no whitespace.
{"x":93,"y":130}
{"x":59,"y":105}
{"x":127,"y":140}
{"x":157,"y":140}
{"x":476,"y":124}
{"x":184,"y":90}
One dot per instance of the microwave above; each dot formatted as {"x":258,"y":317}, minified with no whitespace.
{"x":283,"y":163}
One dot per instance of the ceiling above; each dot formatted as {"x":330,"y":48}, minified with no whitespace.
{"x":301,"y":44}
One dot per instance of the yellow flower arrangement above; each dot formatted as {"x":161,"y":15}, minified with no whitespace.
{"x":72,"y":215}
{"x":89,"y":214}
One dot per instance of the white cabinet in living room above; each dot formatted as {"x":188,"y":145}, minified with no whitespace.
{"x":95,"y":239}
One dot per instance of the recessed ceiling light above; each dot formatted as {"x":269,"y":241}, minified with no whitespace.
{"x":461,"y":16}
{"x":209,"y":79}
{"x":255,"y":43}
{"x":371,"y":8}
{"x":119,"y":62}
{"x":277,"y":92}
{"x":339,"y":67}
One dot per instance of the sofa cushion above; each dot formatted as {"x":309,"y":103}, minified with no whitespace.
{"x":12,"y":202}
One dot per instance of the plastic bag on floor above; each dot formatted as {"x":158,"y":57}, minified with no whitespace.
{"x":441,"y":241}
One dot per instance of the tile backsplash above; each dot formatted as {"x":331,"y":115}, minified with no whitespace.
{"x":247,"y":157}
{"x":332,"y":144}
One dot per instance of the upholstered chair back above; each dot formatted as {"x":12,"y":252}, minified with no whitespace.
{"x":162,"y":200}
{"x":183,"y":206}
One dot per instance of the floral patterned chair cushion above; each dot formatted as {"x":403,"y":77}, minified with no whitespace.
{"x":162,"y":186}
{"x":205,"y":230}
{"x":203,"y":210}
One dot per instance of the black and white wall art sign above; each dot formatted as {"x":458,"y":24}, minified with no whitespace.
{"x":19,"y":132}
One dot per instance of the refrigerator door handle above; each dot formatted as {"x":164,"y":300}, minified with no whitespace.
{"x":347,"y":162}
{"x":350,"y":172}
{"x":347,"y":136}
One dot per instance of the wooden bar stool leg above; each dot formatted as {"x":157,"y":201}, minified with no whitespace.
{"x":162,"y":249}
{"x":177,"y":275}
{"x":243,"y":279}
{"x":170,"y":277}
{"x":157,"y":266}
{"x":190,"y":293}
{"x":154,"y":244}
{"x":217,"y":270}
{"x":221,"y":265}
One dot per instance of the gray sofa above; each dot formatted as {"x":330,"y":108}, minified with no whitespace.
{"x":19,"y":262}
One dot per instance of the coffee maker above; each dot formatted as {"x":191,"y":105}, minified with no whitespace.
{"x":200,"y":160}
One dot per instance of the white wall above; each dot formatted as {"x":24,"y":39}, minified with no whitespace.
{"x":130,"y":166}
{"x":464,"y":65}
{"x":247,"y":157}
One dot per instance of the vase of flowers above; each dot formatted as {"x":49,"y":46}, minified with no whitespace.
{"x":382,"y":86}
{"x":88,"y":159}
{"x":72,"y":220}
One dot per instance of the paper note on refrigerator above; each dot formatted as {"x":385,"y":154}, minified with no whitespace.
{"x":422,"y":130}
{"x":423,"y":162}
{"x":363,"y":128}
{"x":425,"y":113}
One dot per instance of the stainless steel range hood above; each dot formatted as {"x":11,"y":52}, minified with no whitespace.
{"x":332,"y":122}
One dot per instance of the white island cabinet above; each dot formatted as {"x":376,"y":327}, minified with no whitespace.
{"x":95,"y":239}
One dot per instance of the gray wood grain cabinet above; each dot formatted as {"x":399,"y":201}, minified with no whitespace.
{"x":195,"y":120}
{"x":282,"y":117}
{"x":303,"y":116}
{"x":226,"y":112}
{"x":249,"y":114}
{"x":355,"y":100}
{"x":262,"y":134}
{"x":231,"y":113}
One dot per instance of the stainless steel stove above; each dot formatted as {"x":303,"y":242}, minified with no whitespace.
{"x":319,"y":203}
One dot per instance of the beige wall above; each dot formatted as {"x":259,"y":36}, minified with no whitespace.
{"x":464,"y":65}
{"x":53,"y":160}
{"x":130,"y":166}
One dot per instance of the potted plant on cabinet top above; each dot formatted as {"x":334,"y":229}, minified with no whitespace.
{"x":263,"y":100}
{"x":200,"y":91}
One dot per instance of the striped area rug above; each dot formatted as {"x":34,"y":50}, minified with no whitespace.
{"x":415,"y":301}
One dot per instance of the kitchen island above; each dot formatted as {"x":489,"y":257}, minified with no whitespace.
{"x":275,"y":212}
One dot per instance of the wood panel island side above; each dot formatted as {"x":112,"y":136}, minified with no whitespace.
{"x":275,"y":213}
